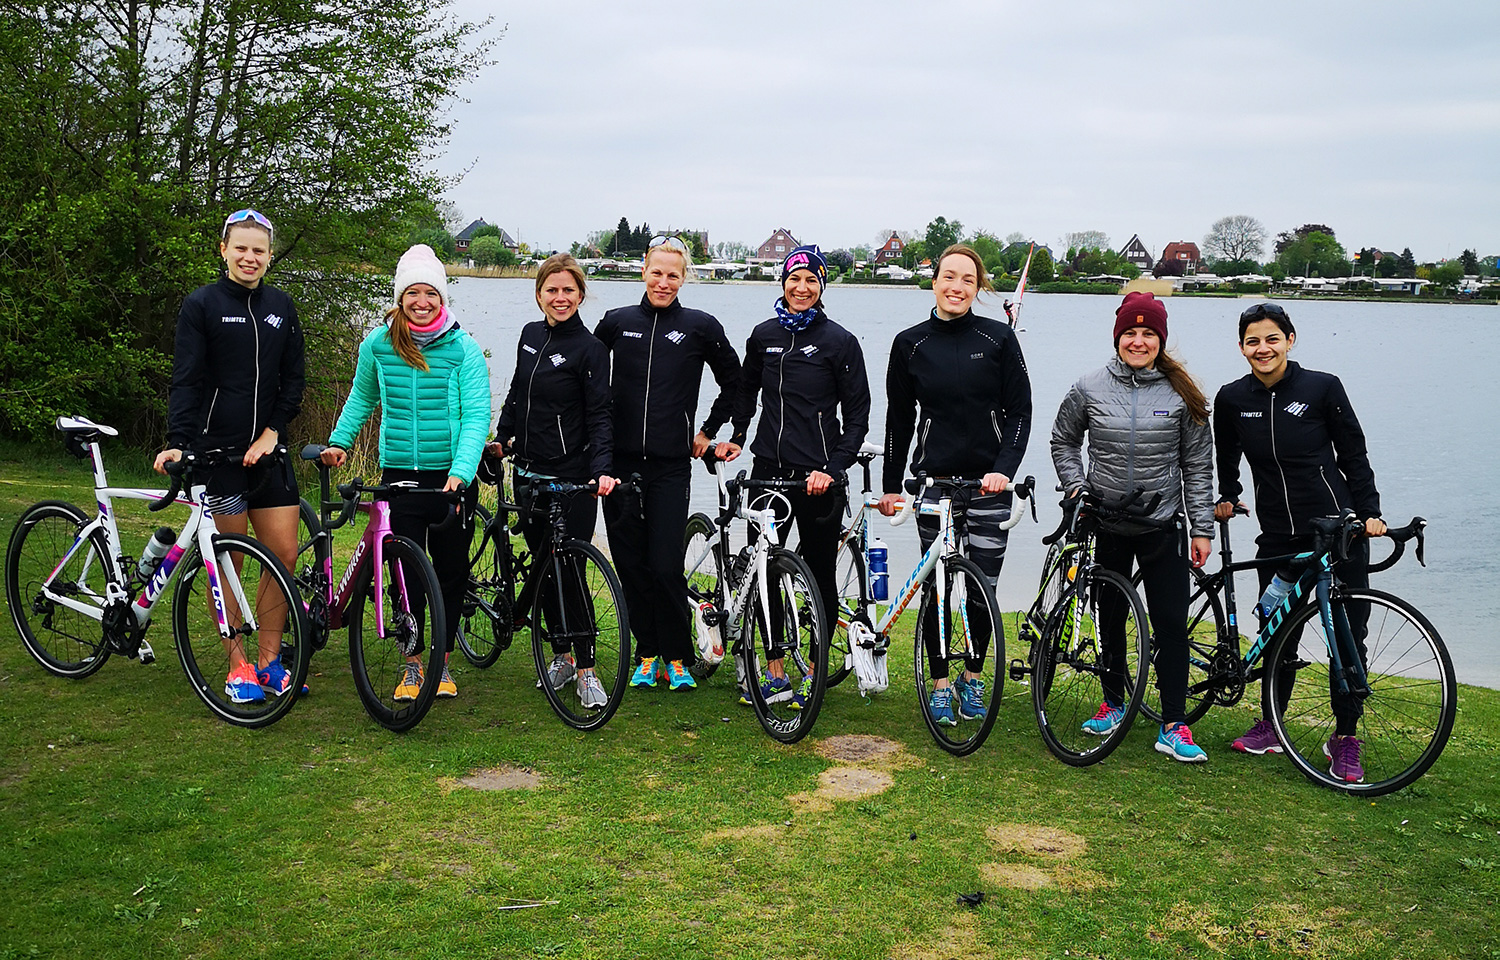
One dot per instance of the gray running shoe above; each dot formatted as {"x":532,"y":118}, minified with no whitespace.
{"x":561,"y":671}
{"x":591,"y":692}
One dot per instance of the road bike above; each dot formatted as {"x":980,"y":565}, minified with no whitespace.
{"x":77,"y":597}
{"x":761,"y":604}
{"x":1400,"y":676}
{"x":388,"y":572}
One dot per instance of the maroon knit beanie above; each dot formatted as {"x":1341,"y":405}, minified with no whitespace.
{"x":1141,"y":310}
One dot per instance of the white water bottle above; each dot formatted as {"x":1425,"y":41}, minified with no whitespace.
{"x":161,"y":541}
{"x":1276,"y":592}
{"x":877,"y":560}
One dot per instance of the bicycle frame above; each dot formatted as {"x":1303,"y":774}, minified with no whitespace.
{"x":735,"y":596}
{"x":945,"y":545}
{"x":370,"y":549}
{"x":200,"y":528}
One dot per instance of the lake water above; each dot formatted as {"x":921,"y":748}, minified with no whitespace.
{"x":1423,"y":378}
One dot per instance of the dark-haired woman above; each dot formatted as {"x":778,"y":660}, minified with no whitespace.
{"x":237,"y":378}
{"x":1307,"y":457}
{"x":807,"y":370}
{"x":555,"y":424}
{"x":1146,"y":421}
{"x":430,"y":381}
{"x":966,"y":374}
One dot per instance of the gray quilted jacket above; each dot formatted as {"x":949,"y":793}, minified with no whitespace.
{"x":1140,"y":435}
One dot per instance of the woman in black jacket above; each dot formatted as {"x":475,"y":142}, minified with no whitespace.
{"x":555,"y":424}
{"x":237,"y":378}
{"x":807,"y":371}
{"x":1308,"y":459}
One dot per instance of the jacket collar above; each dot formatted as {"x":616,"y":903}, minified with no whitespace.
{"x":238,"y":291}
{"x":956,"y":325}
{"x":1122,"y":371}
{"x":1293,"y":370}
{"x":650,"y":307}
{"x":568,"y":327}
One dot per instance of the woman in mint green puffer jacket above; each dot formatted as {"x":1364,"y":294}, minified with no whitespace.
{"x":429,"y":379}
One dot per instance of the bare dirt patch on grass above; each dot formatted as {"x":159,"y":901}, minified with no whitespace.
{"x":503,"y":777}
{"x":1015,"y":876}
{"x":842,"y":784}
{"x":1030,"y":838}
{"x":866,"y":751}
{"x":957,"y":941}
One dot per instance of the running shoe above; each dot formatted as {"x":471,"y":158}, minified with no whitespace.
{"x":561,"y":670}
{"x":774,"y":689}
{"x":678,"y":677}
{"x":645,"y":673}
{"x":941,"y":707}
{"x":591,"y":691}
{"x":804,"y":692}
{"x":1259,"y":739}
{"x":1176,"y":741}
{"x":1104,"y":723}
{"x":446,"y":686}
{"x":1343,"y":758}
{"x":411,"y":683}
{"x":274,"y":679}
{"x":970,"y":698}
{"x":243,"y":686}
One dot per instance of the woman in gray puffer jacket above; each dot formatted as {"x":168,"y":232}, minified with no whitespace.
{"x":1147,"y":426}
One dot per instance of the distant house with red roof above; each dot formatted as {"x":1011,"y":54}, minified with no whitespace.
{"x":776,"y":247}
{"x":1185,"y":253}
{"x":890,"y":251}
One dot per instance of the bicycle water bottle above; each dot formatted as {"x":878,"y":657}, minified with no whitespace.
{"x":1276,"y":592}
{"x":161,"y":541}
{"x":877,"y":558}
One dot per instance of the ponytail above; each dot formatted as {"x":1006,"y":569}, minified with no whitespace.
{"x":405,"y":345}
{"x":1187,"y":388}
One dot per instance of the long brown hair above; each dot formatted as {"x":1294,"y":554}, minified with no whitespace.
{"x":1186,"y":386}
{"x":398,"y":325}
{"x":558,"y":263}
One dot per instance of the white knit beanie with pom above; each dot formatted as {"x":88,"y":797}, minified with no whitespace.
{"x":420,"y":265}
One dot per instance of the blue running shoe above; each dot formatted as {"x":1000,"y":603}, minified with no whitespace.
{"x":970,"y":698}
{"x":804,"y":691}
{"x":274,"y":678}
{"x":775,"y":689}
{"x":1176,"y":741}
{"x":678,"y":677}
{"x":941,"y":707}
{"x":645,"y":673}
{"x":243,"y":686}
{"x":1105,"y":722}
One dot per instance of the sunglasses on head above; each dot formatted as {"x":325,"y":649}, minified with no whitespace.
{"x":240,"y":216}
{"x":1263,"y":310}
{"x":671,"y":243}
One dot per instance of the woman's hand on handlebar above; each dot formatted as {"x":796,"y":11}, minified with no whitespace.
{"x":165,"y":457}
{"x":818,"y":483}
{"x":263,"y":445}
{"x":888,"y":504}
{"x":727,"y":451}
{"x":333,"y":456}
{"x":1374,"y":527}
{"x":495,"y":449}
{"x":454,"y":483}
{"x":1223,"y":510}
{"x":1199,"y":550}
{"x":605,"y":484}
{"x":994,"y":483}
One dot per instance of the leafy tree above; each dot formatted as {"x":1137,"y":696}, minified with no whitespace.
{"x":1016,"y":237}
{"x":440,"y":240}
{"x":1406,"y":264}
{"x":914,"y":253}
{"x":987,"y":245}
{"x":842,"y":259}
{"x":1234,"y":268}
{"x":485,"y":250}
{"x":863,"y":252}
{"x":1168,"y":268}
{"x":488,"y":230}
{"x":147,"y":121}
{"x":1042,"y":269}
{"x":1315,"y":255}
{"x":1086,"y":240}
{"x":1470,"y":260}
{"x":1287,"y":237}
{"x":1448,"y":273}
{"x":1237,"y":237}
{"x":732,"y":250}
{"x":941,"y":234}
{"x":624,"y":238}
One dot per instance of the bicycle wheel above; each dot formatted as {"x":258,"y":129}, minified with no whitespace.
{"x":486,"y":623}
{"x":65,"y":641}
{"x":1403,"y":723}
{"x":585,"y":607}
{"x":794,"y":635}
{"x":849,"y":575}
{"x":412,"y":608}
{"x":313,"y":573}
{"x":1206,"y":623}
{"x":976,"y":647}
{"x":1078,"y":669}
{"x":702,"y":565}
{"x":244,"y":574}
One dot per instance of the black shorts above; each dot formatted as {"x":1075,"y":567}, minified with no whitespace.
{"x":233,"y":489}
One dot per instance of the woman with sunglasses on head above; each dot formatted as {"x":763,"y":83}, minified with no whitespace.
{"x":658,"y":349}
{"x":555,"y":424}
{"x":1308,"y":459}
{"x":1146,"y":420}
{"x":429,"y":379}
{"x":237,"y":379}
{"x":968,"y":376}
{"x":807,"y":370}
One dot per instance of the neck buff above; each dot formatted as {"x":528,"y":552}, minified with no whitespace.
{"x":439,"y":325}
{"x":794,"y":322}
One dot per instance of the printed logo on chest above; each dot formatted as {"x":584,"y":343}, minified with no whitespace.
{"x":976,"y":356}
{"x":1250,"y":413}
{"x":774,"y":349}
{"x":632,"y":334}
{"x":810,"y":349}
{"x":528,"y":348}
{"x":558,"y":359}
{"x":676,"y":336}
{"x":1161,"y":413}
{"x":274,"y":320}
{"x":231,"y":319}
{"x":1296,"y":408}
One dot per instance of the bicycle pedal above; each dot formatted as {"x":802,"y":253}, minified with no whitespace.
{"x":146,"y":654}
{"x":1018,"y":670}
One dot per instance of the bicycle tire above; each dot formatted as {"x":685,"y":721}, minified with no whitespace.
{"x":486,"y":623}
{"x":415,"y":606}
{"x":1070,"y":679}
{"x":851,"y":588}
{"x":64,"y":641}
{"x":1405,"y":721}
{"x":793,"y":599}
{"x":1206,"y":624}
{"x":312,"y":573}
{"x":243,"y":568}
{"x":602,"y":604}
{"x":703,"y":567}
{"x":1032,"y":625}
{"x":973,"y":625}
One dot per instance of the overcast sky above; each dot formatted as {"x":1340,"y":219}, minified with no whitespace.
{"x":837,"y":120}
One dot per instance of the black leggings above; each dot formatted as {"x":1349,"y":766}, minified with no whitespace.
{"x":820,"y":521}
{"x":1163,"y":559}
{"x":580,"y":513}
{"x":411,"y":516}
{"x":646,"y":533}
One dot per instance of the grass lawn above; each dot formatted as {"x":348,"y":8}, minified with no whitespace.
{"x":136,"y":825}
